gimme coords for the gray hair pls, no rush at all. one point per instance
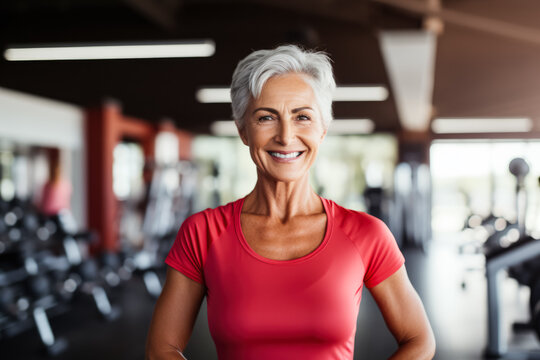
(253, 71)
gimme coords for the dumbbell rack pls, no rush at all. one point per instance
(31, 311)
(40, 276)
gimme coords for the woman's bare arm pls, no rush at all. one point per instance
(405, 316)
(174, 316)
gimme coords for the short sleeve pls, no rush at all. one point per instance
(189, 250)
(383, 257)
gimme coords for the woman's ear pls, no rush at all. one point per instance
(242, 133)
(325, 130)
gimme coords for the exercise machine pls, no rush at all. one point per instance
(520, 258)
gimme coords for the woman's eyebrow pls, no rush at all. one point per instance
(273, 111)
(301, 108)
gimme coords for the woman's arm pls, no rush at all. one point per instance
(174, 316)
(404, 315)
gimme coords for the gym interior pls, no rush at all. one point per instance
(103, 155)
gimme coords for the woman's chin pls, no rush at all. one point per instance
(285, 177)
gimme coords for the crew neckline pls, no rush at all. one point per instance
(249, 249)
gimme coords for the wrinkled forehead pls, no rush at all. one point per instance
(299, 77)
(291, 88)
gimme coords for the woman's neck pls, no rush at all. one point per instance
(282, 200)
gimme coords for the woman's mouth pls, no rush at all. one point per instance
(285, 156)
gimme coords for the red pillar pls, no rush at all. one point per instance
(102, 136)
(106, 126)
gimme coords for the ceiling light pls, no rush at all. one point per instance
(360, 93)
(213, 95)
(342, 93)
(139, 50)
(337, 127)
(224, 128)
(351, 126)
(481, 125)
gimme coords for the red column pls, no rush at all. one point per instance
(106, 126)
(102, 136)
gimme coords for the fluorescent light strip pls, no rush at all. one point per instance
(145, 50)
(213, 95)
(224, 128)
(481, 125)
(360, 93)
(342, 93)
(337, 127)
(351, 126)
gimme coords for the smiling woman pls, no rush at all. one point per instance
(283, 128)
(282, 268)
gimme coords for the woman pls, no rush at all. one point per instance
(56, 193)
(282, 268)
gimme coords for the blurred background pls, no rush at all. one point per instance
(115, 125)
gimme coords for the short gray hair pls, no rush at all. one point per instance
(253, 71)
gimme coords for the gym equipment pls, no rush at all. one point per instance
(410, 215)
(487, 227)
(28, 298)
(376, 202)
(535, 305)
(91, 283)
(519, 168)
(519, 255)
(169, 203)
(44, 265)
(502, 238)
(512, 232)
(111, 269)
(519, 252)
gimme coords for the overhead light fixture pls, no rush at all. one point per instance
(481, 125)
(224, 128)
(342, 93)
(213, 95)
(360, 93)
(131, 50)
(337, 127)
(351, 126)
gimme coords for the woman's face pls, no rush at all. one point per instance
(283, 128)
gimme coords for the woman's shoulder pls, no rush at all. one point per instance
(354, 220)
(369, 233)
(219, 217)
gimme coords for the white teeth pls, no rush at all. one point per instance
(286, 156)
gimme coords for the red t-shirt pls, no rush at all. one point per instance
(305, 308)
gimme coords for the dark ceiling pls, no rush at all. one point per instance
(478, 72)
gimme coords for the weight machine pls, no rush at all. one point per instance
(522, 260)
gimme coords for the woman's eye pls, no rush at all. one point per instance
(265, 118)
(303, 117)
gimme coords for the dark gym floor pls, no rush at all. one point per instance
(457, 314)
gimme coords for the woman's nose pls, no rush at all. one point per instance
(285, 133)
